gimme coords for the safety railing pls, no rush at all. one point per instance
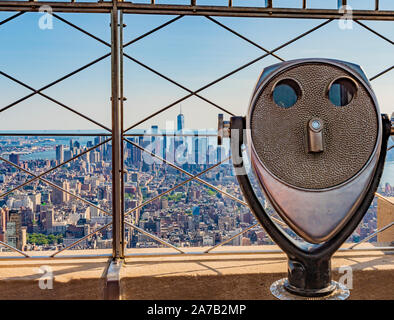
(376, 9)
(119, 134)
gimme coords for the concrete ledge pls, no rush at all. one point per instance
(151, 275)
(72, 279)
(244, 277)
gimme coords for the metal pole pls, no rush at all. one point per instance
(122, 99)
(117, 248)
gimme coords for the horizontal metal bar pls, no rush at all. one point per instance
(170, 135)
(152, 236)
(49, 134)
(246, 252)
(63, 257)
(170, 254)
(199, 10)
(76, 7)
(235, 11)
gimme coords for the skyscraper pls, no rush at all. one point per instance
(47, 218)
(14, 229)
(180, 119)
(154, 130)
(157, 146)
(58, 196)
(164, 155)
(135, 155)
(14, 158)
(94, 156)
(3, 223)
(200, 150)
(103, 148)
(67, 155)
(178, 141)
(59, 154)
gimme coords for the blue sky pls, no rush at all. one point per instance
(192, 51)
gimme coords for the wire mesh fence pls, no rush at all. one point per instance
(164, 201)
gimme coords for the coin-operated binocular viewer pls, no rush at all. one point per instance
(317, 143)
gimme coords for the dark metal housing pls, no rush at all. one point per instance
(309, 270)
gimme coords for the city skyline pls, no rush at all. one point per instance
(191, 215)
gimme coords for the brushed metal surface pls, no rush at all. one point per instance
(315, 216)
(280, 135)
(315, 194)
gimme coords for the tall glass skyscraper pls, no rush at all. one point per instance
(180, 120)
(59, 153)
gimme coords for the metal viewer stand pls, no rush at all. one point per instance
(309, 270)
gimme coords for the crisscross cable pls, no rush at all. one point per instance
(11, 18)
(49, 98)
(54, 168)
(81, 239)
(229, 74)
(54, 185)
